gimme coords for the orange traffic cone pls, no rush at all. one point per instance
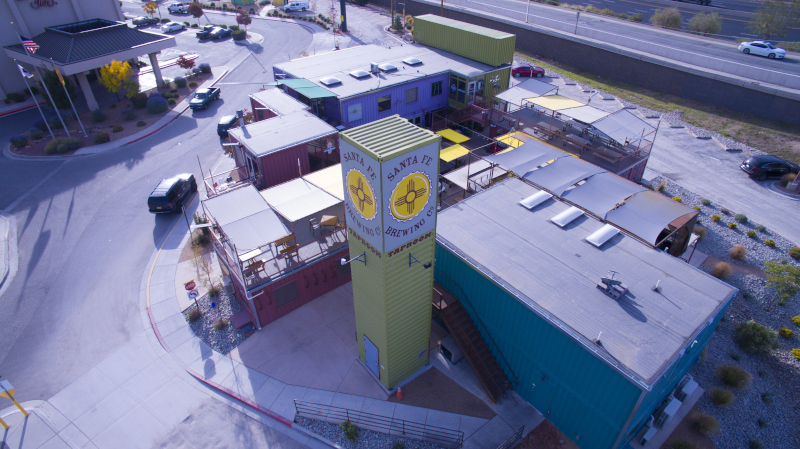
(399, 394)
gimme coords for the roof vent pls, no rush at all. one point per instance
(566, 217)
(412, 61)
(602, 235)
(535, 199)
(359, 74)
(330, 80)
(387, 67)
(612, 287)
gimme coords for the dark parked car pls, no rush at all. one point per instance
(767, 166)
(142, 21)
(171, 193)
(526, 70)
(203, 34)
(226, 123)
(219, 33)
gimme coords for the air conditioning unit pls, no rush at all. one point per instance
(373, 67)
(683, 393)
(666, 411)
(651, 432)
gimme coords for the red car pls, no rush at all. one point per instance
(526, 70)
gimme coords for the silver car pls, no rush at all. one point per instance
(762, 48)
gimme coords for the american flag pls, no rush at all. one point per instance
(29, 45)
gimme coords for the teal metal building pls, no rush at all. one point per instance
(595, 366)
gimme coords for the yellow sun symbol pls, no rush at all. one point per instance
(409, 196)
(362, 197)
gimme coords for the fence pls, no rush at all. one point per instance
(513, 439)
(384, 424)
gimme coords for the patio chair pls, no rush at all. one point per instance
(314, 224)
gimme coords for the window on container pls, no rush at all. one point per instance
(462, 90)
(285, 294)
(411, 95)
(436, 88)
(384, 103)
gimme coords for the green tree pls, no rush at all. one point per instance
(50, 80)
(775, 18)
(114, 76)
(754, 337)
(196, 11)
(132, 88)
(667, 18)
(786, 280)
(705, 23)
(150, 8)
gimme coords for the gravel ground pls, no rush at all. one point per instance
(367, 439)
(224, 340)
(770, 419)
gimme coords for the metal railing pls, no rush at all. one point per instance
(384, 424)
(513, 439)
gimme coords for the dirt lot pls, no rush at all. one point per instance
(772, 137)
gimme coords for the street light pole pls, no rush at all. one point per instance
(577, 16)
(527, 10)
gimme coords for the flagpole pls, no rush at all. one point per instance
(36, 102)
(77, 117)
(41, 78)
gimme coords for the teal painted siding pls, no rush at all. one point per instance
(585, 398)
(670, 381)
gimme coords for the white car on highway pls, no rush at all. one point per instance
(762, 48)
(173, 26)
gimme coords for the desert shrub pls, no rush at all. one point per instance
(766, 397)
(16, 97)
(752, 234)
(761, 228)
(638, 17)
(794, 251)
(166, 95)
(221, 324)
(179, 81)
(785, 332)
(755, 444)
(193, 315)
(738, 252)
(204, 67)
(733, 376)
(677, 198)
(705, 23)
(733, 225)
(796, 353)
(192, 83)
(721, 396)
(741, 218)
(725, 211)
(716, 217)
(239, 35)
(39, 123)
(796, 320)
(721, 270)
(770, 243)
(233, 27)
(700, 231)
(128, 114)
(117, 129)
(62, 145)
(787, 178)
(55, 123)
(350, 430)
(18, 141)
(172, 91)
(156, 105)
(194, 25)
(754, 337)
(35, 133)
(696, 207)
(705, 424)
(705, 202)
(171, 101)
(141, 123)
(98, 116)
(667, 18)
(101, 137)
(164, 20)
(139, 101)
(398, 445)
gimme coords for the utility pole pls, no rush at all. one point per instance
(344, 16)
(577, 16)
(391, 24)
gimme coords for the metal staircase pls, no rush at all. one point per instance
(469, 340)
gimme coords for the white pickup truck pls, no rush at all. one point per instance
(296, 6)
(178, 7)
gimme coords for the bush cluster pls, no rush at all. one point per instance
(128, 114)
(716, 218)
(761, 228)
(705, 424)
(733, 225)
(741, 218)
(738, 252)
(39, 123)
(785, 332)
(141, 123)
(117, 129)
(794, 252)
(796, 320)
(733, 376)
(770, 243)
(350, 430)
(239, 35)
(157, 104)
(755, 337)
(752, 234)
(62, 145)
(18, 141)
(179, 81)
(35, 133)
(139, 101)
(697, 207)
(705, 202)
(192, 83)
(171, 101)
(98, 116)
(204, 67)
(101, 137)
(55, 123)
(725, 211)
(721, 396)
(796, 353)
(721, 270)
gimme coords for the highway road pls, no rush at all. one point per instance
(552, 16)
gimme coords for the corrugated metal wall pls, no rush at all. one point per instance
(585, 398)
(370, 304)
(312, 281)
(462, 39)
(424, 103)
(281, 166)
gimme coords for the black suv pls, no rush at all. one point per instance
(225, 123)
(170, 193)
(766, 166)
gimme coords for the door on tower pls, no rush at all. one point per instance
(371, 356)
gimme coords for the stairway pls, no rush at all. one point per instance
(470, 342)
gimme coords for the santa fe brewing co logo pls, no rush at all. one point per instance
(362, 197)
(410, 196)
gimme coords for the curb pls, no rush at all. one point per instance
(263, 410)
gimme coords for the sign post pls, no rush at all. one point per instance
(8, 392)
(192, 293)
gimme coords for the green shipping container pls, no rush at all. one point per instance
(471, 41)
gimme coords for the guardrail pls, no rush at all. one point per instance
(384, 424)
(513, 439)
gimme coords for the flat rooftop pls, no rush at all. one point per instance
(554, 272)
(278, 101)
(279, 133)
(340, 63)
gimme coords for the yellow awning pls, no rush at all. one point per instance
(555, 102)
(452, 136)
(514, 139)
(328, 179)
(453, 152)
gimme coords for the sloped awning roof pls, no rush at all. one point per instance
(478, 171)
(298, 199)
(452, 152)
(585, 114)
(525, 90)
(246, 218)
(306, 87)
(562, 173)
(526, 157)
(555, 102)
(647, 214)
(453, 136)
(602, 192)
(328, 179)
(623, 126)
